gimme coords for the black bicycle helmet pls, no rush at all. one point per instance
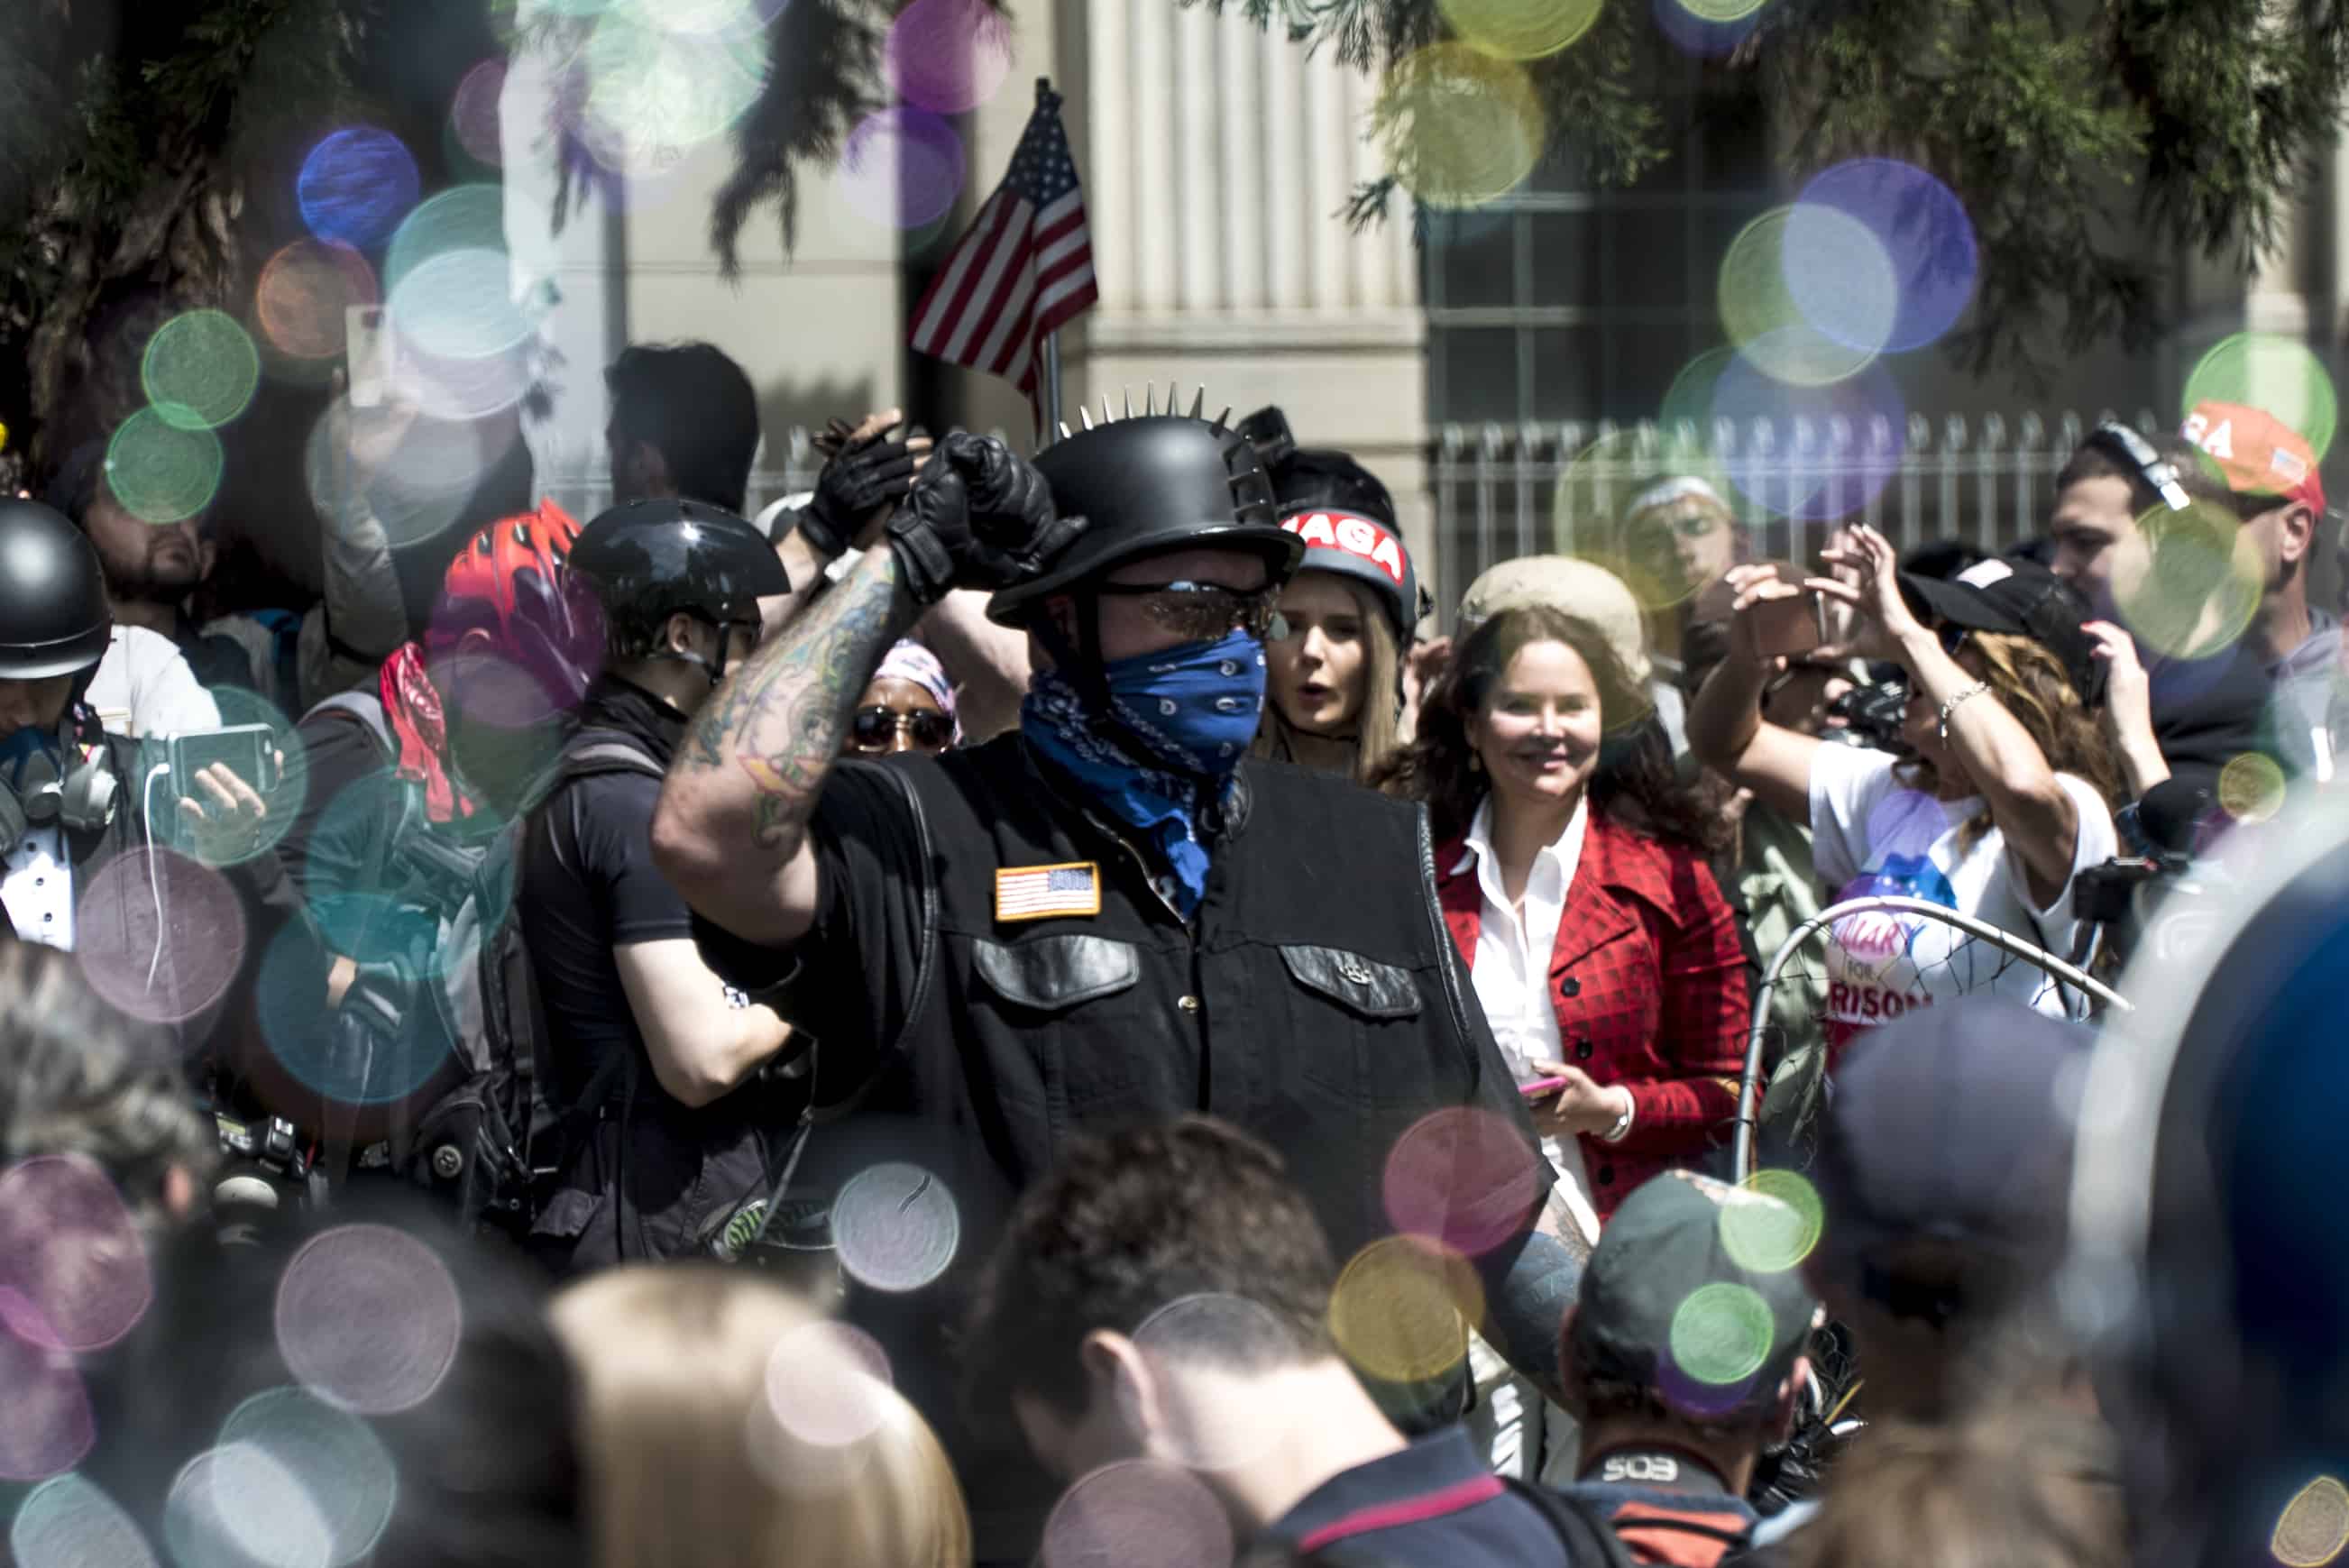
(649, 560)
(53, 615)
(1148, 484)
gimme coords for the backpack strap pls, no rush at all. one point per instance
(366, 708)
(1588, 1538)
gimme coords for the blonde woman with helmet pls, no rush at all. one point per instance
(2005, 797)
(725, 1423)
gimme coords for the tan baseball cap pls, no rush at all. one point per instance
(1577, 587)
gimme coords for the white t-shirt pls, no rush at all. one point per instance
(143, 687)
(36, 887)
(1511, 973)
(1871, 833)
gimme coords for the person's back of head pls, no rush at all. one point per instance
(685, 422)
(1691, 1326)
(81, 1081)
(2014, 1486)
(360, 1384)
(723, 1420)
(1186, 1240)
(1943, 1168)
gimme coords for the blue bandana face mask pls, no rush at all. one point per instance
(1196, 706)
(1195, 709)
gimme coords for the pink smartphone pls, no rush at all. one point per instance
(1540, 1086)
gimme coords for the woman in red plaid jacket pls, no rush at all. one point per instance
(1572, 872)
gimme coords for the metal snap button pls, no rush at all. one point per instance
(1188, 1003)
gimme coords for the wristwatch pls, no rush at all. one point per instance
(1622, 1128)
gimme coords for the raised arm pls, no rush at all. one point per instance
(731, 830)
(1726, 727)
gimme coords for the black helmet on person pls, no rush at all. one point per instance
(649, 560)
(1344, 516)
(53, 619)
(1148, 484)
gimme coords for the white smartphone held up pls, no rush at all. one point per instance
(368, 351)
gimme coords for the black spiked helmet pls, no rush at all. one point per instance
(53, 615)
(1148, 483)
(649, 560)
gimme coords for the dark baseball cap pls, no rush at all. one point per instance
(2017, 599)
(1695, 1291)
(1955, 1123)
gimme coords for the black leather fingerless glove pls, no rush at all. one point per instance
(857, 481)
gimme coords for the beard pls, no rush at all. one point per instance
(166, 573)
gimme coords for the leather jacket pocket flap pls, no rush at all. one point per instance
(1054, 972)
(1371, 989)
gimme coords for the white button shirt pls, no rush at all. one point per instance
(37, 888)
(1511, 973)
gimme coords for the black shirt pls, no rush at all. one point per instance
(589, 885)
(1434, 1504)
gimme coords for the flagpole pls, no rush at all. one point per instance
(1051, 422)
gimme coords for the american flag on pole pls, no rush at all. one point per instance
(1024, 270)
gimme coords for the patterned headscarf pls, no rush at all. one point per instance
(909, 661)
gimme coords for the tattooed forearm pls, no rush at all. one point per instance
(779, 720)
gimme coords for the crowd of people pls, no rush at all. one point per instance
(1031, 1009)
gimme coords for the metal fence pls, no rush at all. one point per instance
(784, 467)
(1500, 492)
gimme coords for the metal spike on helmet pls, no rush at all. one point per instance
(1109, 414)
(1064, 429)
(1199, 402)
(1129, 402)
(1084, 413)
(1221, 417)
(1150, 399)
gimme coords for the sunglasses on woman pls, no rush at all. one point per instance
(1204, 612)
(877, 729)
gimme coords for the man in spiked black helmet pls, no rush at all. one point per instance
(1113, 915)
(653, 1054)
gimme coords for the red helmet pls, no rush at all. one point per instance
(507, 582)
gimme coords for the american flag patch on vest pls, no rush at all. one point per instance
(1040, 892)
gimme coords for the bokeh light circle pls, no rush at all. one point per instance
(465, 218)
(2279, 376)
(73, 1269)
(1462, 1177)
(1402, 1310)
(175, 967)
(1695, 32)
(2314, 1528)
(1138, 1513)
(1520, 29)
(2251, 786)
(473, 115)
(424, 487)
(896, 1227)
(335, 1458)
(1686, 417)
(1772, 1223)
(460, 305)
(656, 92)
(2190, 582)
(902, 168)
(356, 185)
(1839, 276)
(200, 370)
(948, 55)
(1720, 1333)
(1458, 128)
(68, 1522)
(236, 1505)
(304, 291)
(45, 1426)
(1591, 511)
(1763, 319)
(1920, 232)
(368, 1319)
(828, 1385)
(1855, 431)
(159, 472)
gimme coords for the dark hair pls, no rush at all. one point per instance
(78, 1077)
(1636, 782)
(485, 1463)
(2096, 460)
(1128, 1225)
(696, 406)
